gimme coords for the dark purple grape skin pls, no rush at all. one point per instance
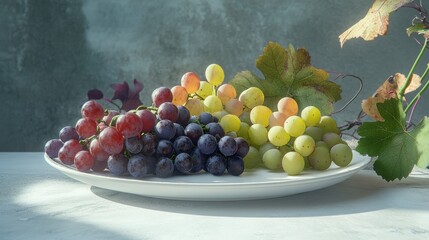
(183, 163)
(242, 147)
(164, 149)
(235, 165)
(164, 168)
(168, 111)
(216, 164)
(183, 144)
(165, 129)
(149, 144)
(207, 144)
(184, 116)
(198, 160)
(194, 132)
(117, 164)
(67, 133)
(227, 146)
(99, 166)
(52, 147)
(180, 131)
(140, 166)
(193, 119)
(215, 129)
(205, 118)
(134, 144)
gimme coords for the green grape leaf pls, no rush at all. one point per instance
(289, 73)
(397, 149)
(419, 28)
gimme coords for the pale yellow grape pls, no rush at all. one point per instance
(277, 119)
(294, 126)
(261, 115)
(320, 159)
(265, 147)
(220, 114)
(278, 136)
(205, 90)
(234, 106)
(304, 145)
(180, 95)
(315, 132)
(244, 130)
(215, 74)
(293, 163)
(195, 106)
(341, 154)
(245, 117)
(252, 159)
(311, 116)
(258, 134)
(230, 123)
(252, 97)
(328, 124)
(212, 104)
(272, 159)
(287, 106)
(191, 82)
(332, 139)
(226, 92)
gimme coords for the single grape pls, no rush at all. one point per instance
(278, 136)
(183, 144)
(234, 106)
(164, 168)
(108, 118)
(226, 92)
(183, 116)
(194, 132)
(243, 131)
(207, 144)
(83, 161)
(315, 132)
(311, 116)
(180, 95)
(320, 158)
(168, 111)
(332, 139)
(214, 74)
(86, 127)
(304, 145)
(111, 141)
(252, 159)
(180, 131)
(227, 146)
(277, 119)
(260, 115)
(165, 129)
(252, 97)
(285, 149)
(322, 144)
(205, 90)
(245, 117)
(294, 126)
(97, 151)
(341, 154)
(235, 165)
(230, 123)
(265, 147)
(215, 129)
(99, 166)
(220, 114)
(272, 159)
(288, 106)
(164, 148)
(101, 126)
(68, 151)
(140, 166)
(242, 147)
(68, 133)
(258, 134)
(134, 144)
(328, 124)
(193, 119)
(148, 120)
(149, 144)
(195, 106)
(293, 163)
(161, 95)
(191, 82)
(52, 147)
(118, 164)
(129, 125)
(212, 104)
(183, 163)
(216, 164)
(198, 160)
(231, 134)
(92, 110)
(205, 118)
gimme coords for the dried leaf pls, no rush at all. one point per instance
(375, 22)
(414, 83)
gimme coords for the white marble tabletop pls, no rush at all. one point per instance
(39, 202)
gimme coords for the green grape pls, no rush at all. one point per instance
(258, 134)
(341, 154)
(311, 116)
(294, 126)
(272, 159)
(315, 132)
(320, 158)
(231, 134)
(195, 106)
(205, 90)
(278, 136)
(332, 139)
(220, 114)
(307, 163)
(230, 123)
(212, 104)
(214, 74)
(293, 163)
(245, 117)
(234, 106)
(328, 124)
(304, 145)
(260, 115)
(252, 97)
(252, 159)
(322, 144)
(265, 147)
(285, 149)
(244, 130)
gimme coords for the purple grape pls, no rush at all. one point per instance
(168, 111)
(183, 163)
(183, 144)
(227, 146)
(52, 147)
(164, 168)
(67, 133)
(99, 166)
(161, 95)
(193, 119)
(235, 165)
(205, 118)
(184, 115)
(194, 132)
(141, 166)
(215, 129)
(117, 164)
(164, 148)
(207, 144)
(165, 129)
(149, 144)
(198, 160)
(215, 164)
(180, 131)
(134, 144)
(242, 147)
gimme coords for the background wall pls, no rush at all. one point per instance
(53, 51)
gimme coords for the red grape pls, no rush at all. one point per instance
(69, 151)
(92, 110)
(111, 140)
(86, 127)
(83, 161)
(161, 95)
(97, 152)
(148, 120)
(168, 111)
(129, 125)
(108, 118)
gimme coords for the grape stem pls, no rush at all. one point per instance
(415, 99)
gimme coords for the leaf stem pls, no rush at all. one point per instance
(420, 92)
(410, 74)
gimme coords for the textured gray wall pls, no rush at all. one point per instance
(53, 51)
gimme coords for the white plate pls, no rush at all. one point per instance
(254, 184)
